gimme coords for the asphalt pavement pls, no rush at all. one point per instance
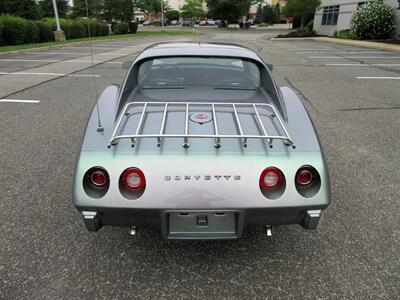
(353, 97)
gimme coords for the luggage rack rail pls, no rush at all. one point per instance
(186, 135)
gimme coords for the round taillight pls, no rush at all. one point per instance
(133, 179)
(98, 178)
(305, 176)
(271, 178)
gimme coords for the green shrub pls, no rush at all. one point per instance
(77, 30)
(374, 20)
(32, 32)
(1, 34)
(99, 28)
(133, 27)
(113, 23)
(105, 30)
(45, 32)
(310, 25)
(305, 32)
(343, 34)
(65, 25)
(14, 29)
(92, 27)
(121, 28)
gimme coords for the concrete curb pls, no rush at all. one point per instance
(366, 44)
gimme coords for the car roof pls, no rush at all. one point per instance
(198, 49)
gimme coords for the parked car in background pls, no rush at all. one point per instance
(147, 23)
(187, 23)
(175, 23)
(223, 24)
(211, 22)
(203, 23)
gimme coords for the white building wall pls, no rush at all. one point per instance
(346, 10)
(177, 4)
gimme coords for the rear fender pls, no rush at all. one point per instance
(94, 139)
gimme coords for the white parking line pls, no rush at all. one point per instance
(48, 74)
(346, 52)
(364, 65)
(57, 60)
(29, 60)
(19, 101)
(61, 53)
(311, 49)
(358, 57)
(377, 77)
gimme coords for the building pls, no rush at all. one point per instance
(253, 8)
(177, 4)
(335, 15)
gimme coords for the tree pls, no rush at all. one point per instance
(259, 14)
(271, 14)
(46, 8)
(27, 9)
(95, 8)
(193, 9)
(230, 10)
(300, 8)
(172, 15)
(120, 10)
(151, 6)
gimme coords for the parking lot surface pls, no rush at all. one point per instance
(353, 97)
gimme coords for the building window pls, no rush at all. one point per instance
(361, 4)
(330, 15)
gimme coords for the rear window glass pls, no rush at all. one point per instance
(199, 71)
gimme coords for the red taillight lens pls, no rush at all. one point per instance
(271, 178)
(133, 179)
(305, 176)
(98, 177)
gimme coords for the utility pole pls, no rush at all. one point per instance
(59, 35)
(162, 15)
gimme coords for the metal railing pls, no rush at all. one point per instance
(216, 136)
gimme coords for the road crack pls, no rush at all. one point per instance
(300, 92)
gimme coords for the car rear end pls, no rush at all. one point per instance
(228, 151)
(201, 190)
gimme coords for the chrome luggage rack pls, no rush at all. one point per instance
(186, 135)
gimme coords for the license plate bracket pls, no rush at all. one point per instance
(202, 225)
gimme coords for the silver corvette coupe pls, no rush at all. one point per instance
(200, 143)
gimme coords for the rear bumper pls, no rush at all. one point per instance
(308, 217)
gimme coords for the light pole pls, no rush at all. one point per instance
(59, 35)
(162, 15)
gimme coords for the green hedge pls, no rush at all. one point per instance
(32, 34)
(1, 34)
(16, 30)
(133, 27)
(45, 32)
(78, 30)
(65, 25)
(121, 28)
(13, 29)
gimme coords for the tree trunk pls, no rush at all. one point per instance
(303, 18)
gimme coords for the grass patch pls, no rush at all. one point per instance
(94, 39)
(343, 34)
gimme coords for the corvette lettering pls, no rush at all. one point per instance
(202, 177)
